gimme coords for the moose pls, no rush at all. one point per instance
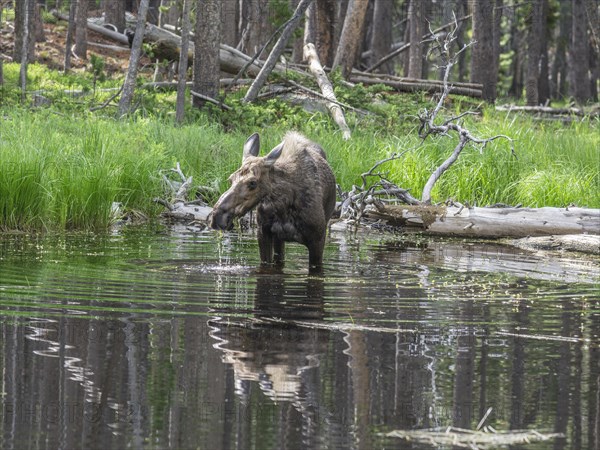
(293, 190)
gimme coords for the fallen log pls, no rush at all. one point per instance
(179, 208)
(114, 35)
(167, 45)
(488, 222)
(541, 110)
(310, 54)
(384, 76)
(584, 243)
(423, 85)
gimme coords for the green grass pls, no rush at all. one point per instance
(62, 167)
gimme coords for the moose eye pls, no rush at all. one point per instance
(252, 184)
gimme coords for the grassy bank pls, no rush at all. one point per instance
(62, 168)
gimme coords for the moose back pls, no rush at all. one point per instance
(293, 190)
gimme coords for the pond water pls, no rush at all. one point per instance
(171, 338)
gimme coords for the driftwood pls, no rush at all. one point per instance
(472, 439)
(488, 222)
(178, 208)
(310, 54)
(585, 243)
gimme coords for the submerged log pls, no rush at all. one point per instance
(489, 222)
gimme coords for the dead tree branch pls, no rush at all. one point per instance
(278, 49)
(428, 118)
(310, 54)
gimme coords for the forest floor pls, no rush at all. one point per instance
(51, 52)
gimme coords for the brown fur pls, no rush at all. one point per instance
(293, 190)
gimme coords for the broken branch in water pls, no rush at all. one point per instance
(460, 437)
(178, 207)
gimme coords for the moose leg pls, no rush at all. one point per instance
(315, 255)
(265, 246)
(279, 251)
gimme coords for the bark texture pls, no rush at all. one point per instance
(206, 50)
(351, 36)
(482, 58)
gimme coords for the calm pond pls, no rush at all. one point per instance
(169, 338)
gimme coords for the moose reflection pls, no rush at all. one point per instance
(293, 189)
(273, 351)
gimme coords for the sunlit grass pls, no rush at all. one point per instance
(63, 167)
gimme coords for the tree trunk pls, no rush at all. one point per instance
(183, 62)
(534, 45)
(206, 50)
(278, 49)
(229, 21)
(559, 67)
(544, 77)
(324, 14)
(114, 13)
(594, 73)
(38, 25)
(351, 36)
(498, 8)
(69, 39)
(482, 57)
(460, 40)
(20, 9)
(579, 83)
(153, 15)
(416, 15)
(26, 20)
(257, 25)
(134, 59)
(381, 38)
(341, 7)
(81, 29)
(591, 11)
(169, 12)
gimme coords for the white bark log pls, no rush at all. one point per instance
(310, 54)
(491, 222)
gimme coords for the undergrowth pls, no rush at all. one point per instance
(63, 167)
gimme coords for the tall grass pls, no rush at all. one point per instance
(58, 173)
(61, 172)
(553, 165)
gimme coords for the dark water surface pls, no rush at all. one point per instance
(157, 338)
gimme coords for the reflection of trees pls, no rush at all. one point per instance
(254, 378)
(594, 378)
(464, 372)
(279, 358)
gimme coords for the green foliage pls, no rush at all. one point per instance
(63, 166)
(97, 68)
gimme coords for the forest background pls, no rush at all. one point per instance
(71, 148)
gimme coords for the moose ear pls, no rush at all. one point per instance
(273, 155)
(252, 146)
